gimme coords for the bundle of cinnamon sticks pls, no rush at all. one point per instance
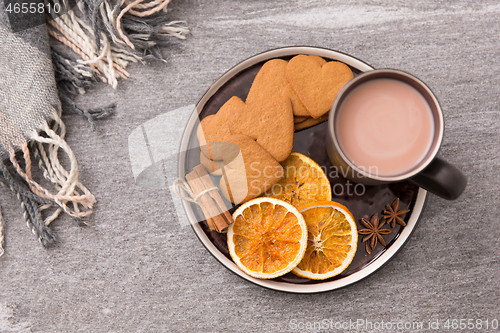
(210, 202)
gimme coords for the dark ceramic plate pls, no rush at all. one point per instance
(311, 142)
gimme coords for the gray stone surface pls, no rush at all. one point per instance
(137, 270)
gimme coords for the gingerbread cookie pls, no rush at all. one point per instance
(269, 81)
(269, 122)
(217, 128)
(251, 173)
(317, 85)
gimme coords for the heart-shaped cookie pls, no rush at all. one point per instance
(299, 110)
(216, 129)
(269, 122)
(269, 81)
(252, 172)
(317, 85)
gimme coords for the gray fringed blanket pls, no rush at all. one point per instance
(49, 59)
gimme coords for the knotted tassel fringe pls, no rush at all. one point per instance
(40, 205)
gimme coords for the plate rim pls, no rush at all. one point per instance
(368, 270)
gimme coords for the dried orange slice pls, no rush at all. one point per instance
(268, 237)
(304, 182)
(331, 242)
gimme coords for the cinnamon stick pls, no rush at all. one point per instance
(190, 177)
(211, 203)
(226, 218)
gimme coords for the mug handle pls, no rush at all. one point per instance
(441, 178)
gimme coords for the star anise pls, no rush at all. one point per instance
(392, 214)
(373, 232)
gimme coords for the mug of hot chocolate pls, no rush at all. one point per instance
(387, 126)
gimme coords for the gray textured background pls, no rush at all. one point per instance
(135, 270)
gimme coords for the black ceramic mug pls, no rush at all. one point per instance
(431, 173)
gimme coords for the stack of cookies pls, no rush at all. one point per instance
(244, 142)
